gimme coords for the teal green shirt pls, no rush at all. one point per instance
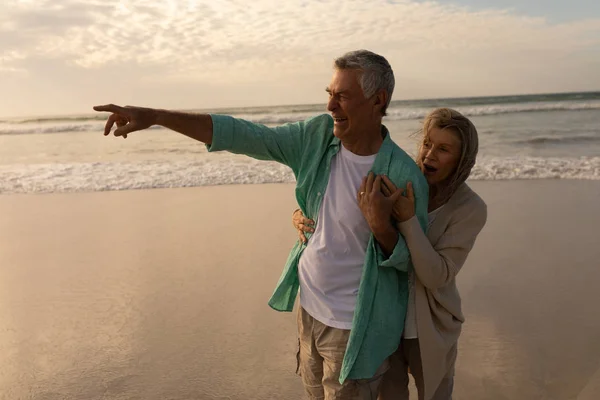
(307, 147)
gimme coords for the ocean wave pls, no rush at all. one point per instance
(577, 139)
(511, 168)
(286, 114)
(495, 109)
(416, 113)
(408, 112)
(49, 129)
(57, 119)
(103, 176)
(28, 130)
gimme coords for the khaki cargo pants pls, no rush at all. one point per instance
(320, 356)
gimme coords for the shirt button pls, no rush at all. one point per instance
(318, 194)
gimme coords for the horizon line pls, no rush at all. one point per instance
(316, 104)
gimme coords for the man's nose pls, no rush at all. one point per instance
(332, 104)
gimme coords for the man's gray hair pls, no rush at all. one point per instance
(376, 71)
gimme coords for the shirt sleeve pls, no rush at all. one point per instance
(283, 144)
(401, 256)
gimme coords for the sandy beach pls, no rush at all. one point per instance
(162, 294)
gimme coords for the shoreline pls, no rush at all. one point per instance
(472, 183)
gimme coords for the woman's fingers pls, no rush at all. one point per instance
(377, 184)
(410, 193)
(302, 237)
(305, 228)
(388, 182)
(307, 225)
(307, 221)
(385, 190)
(297, 218)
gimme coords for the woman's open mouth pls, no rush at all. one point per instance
(429, 169)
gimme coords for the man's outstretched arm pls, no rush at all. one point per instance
(131, 119)
(284, 144)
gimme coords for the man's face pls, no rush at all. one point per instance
(353, 113)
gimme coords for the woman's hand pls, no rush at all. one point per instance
(404, 207)
(302, 224)
(376, 208)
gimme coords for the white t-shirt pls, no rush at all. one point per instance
(331, 266)
(410, 323)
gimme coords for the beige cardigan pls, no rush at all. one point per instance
(437, 258)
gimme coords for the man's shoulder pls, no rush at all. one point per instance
(404, 169)
(399, 154)
(403, 163)
(317, 132)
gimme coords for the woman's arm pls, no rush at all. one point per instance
(437, 266)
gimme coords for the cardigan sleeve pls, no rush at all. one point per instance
(437, 266)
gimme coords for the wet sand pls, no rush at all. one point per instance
(162, 294)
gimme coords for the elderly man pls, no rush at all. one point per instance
(352, 275)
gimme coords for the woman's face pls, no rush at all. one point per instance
(440, 154)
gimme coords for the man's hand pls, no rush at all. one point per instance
(128, 119)
(377, 210)
(404, 207)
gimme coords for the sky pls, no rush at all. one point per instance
(63, 57)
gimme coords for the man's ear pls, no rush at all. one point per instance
(381, 98)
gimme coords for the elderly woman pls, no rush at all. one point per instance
(428, 347)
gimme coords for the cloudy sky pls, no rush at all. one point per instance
(63, 56)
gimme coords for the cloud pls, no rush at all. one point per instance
(235, 42)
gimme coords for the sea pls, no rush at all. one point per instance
(542, 136)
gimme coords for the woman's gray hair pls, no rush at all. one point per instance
(376, 71)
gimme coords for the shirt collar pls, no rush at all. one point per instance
(384, 155)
